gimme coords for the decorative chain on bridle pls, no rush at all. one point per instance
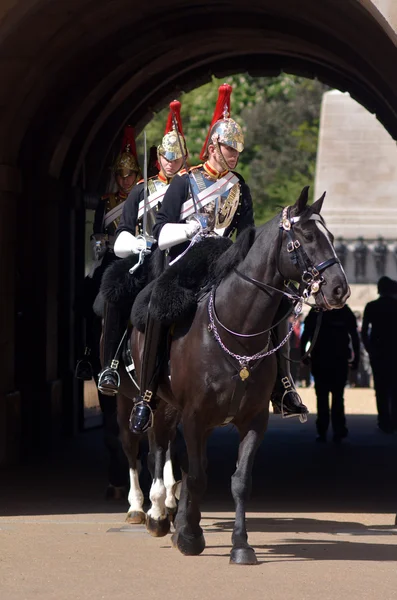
(311, 282)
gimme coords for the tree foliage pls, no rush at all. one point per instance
(280, 120)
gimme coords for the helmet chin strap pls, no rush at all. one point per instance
(222, 160)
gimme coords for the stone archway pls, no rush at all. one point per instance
(73, 72)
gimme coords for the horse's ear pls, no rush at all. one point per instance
(301, 203)
(318, 204)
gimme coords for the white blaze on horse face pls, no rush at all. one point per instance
(135, 495)
(157, 497)
(169, 482)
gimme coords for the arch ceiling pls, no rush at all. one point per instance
(74, 71)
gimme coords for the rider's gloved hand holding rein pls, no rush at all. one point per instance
(172, 234)
(127, 244)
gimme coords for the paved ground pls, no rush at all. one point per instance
(321, 520)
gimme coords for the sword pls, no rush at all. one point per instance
(144, 223)
(145, 236)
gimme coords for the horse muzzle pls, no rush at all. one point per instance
(334, 297)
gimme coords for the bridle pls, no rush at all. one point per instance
(311, 282)
(311, 275)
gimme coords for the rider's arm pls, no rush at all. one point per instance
(129, 215)
(244, 216)
(168, 230)
(126, 243)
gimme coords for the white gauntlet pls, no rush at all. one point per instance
(172, 234)
(127, 244)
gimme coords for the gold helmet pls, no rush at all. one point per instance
(223, 129)
(173, 144)
(127, 161)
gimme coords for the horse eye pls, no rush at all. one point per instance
(309, 237)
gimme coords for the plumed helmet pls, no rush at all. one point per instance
(127, 161)
(173, 145)
(223, 129)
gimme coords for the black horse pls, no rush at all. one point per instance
(216, 374)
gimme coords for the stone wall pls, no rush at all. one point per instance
(357, 166)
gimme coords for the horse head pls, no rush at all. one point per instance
(307, 253)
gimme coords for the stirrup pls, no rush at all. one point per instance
(290, 388)
(111, 371)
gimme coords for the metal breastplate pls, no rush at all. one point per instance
(219, 212)
(154, 185)
(111, 202)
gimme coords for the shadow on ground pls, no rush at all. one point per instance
(292, 474)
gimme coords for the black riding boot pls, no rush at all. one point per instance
(141, 418)
(285, 398)
(113, 329)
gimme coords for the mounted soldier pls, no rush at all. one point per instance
(212, 198)
(141, 205)
(126, 172)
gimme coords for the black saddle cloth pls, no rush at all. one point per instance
(120, 288)
(173, 296)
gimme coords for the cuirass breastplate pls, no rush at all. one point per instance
(219, 212)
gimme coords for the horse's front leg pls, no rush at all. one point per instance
(130, 443)
(250, 439)
(188, 536)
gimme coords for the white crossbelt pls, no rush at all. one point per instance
(152, 200)
(211, 193)
(113, 214)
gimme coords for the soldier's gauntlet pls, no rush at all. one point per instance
(127, 244)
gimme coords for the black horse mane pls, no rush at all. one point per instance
(234, 255)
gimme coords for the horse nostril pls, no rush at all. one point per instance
(338, 291)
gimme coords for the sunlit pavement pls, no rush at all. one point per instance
(321, 520)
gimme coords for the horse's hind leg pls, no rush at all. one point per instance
(130, 442)
(242, 553)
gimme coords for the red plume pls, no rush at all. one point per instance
(175, 109)
(128, 144)
(223, 101)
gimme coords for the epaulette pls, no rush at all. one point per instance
(196, 167)
(107, 196)
(143, 181)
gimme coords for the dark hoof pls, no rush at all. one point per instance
(157, 528)
(243, 556)
(136, 517)
(174, 539)
(189, 546)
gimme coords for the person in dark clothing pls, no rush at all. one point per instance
(379, 332)
(330, 360)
